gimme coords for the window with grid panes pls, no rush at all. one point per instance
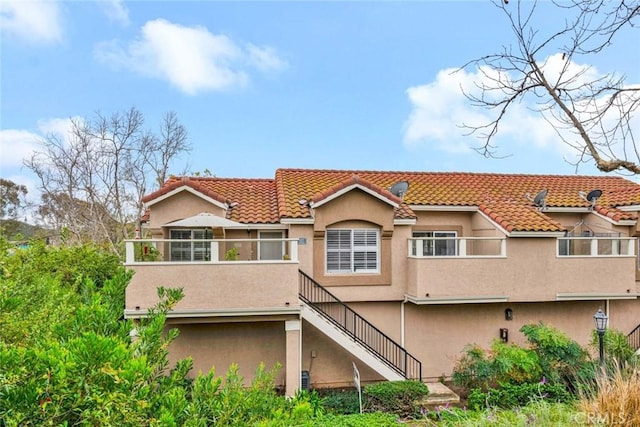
(192, 249)
(437, 243)
(352, 251)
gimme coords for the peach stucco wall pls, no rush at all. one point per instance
(440, 333)
(356, 209)
(531, 272)
(179, 206)
(235, 284)
(328, 364)
(437, 334)
(218, 345)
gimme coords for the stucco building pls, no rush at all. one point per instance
(395, 271)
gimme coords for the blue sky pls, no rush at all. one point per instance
(264, 85)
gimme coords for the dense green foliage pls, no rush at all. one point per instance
(504, 363)
(340, 401)
(551, 355)
(617, 349)
(375, 419)
(395, 397)
(517, 395)
(562, 360)
(401, 398)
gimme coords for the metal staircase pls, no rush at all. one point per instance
(353, 332)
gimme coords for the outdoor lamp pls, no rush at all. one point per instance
(601, 325)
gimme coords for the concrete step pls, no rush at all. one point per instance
(439, 395)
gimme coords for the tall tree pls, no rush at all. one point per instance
(597, 115)
(92, 180)
(12, 198)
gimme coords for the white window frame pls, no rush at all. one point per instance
(194, 247)
(262, 240)
(353, 250)
(430, 250)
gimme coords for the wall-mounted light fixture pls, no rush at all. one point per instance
(508, 314)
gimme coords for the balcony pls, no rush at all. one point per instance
(477, 270)
(596, 246)
(458, 247)
(218, 277)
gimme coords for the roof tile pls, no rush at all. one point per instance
(505, 198)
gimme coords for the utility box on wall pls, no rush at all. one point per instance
(504, 334)
(306, 381)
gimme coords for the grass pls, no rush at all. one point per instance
(614, 399)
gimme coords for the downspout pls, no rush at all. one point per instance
(607, 311)
(402, 321)
(300, 357)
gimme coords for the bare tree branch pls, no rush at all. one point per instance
(595, 115)
(92, 182)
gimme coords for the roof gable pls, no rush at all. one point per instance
(248, 201)
(351, 184)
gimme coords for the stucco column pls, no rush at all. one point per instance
(293, 351)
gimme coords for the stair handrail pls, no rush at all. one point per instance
(358, 328)
(634, 338)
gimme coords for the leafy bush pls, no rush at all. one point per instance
(375, 419)
(505, 363)
(395, 397)
(69, 264)
(474, 369)
(562, 359)
(617, 349)
(512, 396)
(514, 364)
(340, 401)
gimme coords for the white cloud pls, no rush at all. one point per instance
(440, 108)
(116, 11)
(190, 58)
(59, 128)
(265, 58)
(31, 21)
(16, 145)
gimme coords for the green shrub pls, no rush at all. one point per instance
(511, 396)
(514, 364)
(395, 397)
(340, 401)
(617, 349)
(562, 359)
(375, 419)
(474, 369)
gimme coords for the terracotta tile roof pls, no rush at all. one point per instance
(505, 198)
(250, 201)
(513, 216)
(615, 214)
(500, 196)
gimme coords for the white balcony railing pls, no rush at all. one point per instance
(462, 247)
(143, 251)
(596, 246)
